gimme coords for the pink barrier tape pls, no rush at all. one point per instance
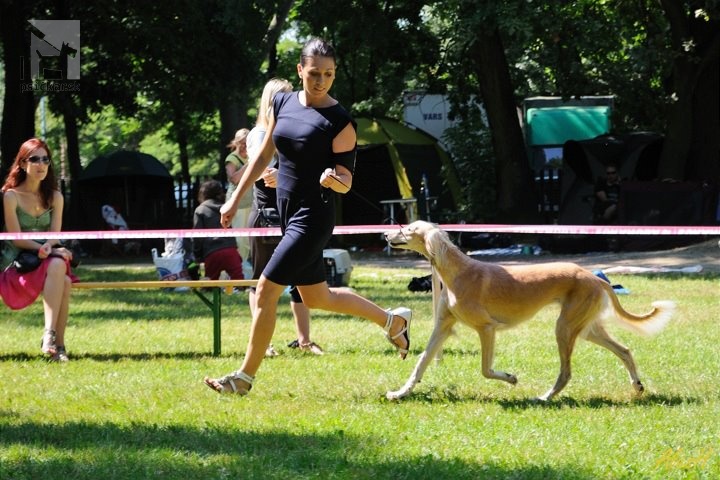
(359, 229)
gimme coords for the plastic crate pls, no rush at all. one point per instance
(338, 267)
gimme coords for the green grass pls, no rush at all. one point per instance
(131, 403)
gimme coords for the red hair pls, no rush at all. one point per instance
(18, 175)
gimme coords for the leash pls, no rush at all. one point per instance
(390, 220)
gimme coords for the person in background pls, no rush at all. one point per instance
(218, 253)
(33, 203)
(235, 163)
(264, 199)
(607, 195)
(316, 143)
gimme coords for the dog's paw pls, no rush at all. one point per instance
(639, 388)
(512, 379)
(397, 395)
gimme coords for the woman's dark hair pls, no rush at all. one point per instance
(316, 47)
(212, 189)
(18, 175)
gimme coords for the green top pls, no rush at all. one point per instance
(246, 200)
(28, 223)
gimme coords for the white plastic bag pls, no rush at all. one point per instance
(171, 267)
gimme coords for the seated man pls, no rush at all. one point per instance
(607, 194)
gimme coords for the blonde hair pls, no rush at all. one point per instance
(272, 88)
(240, 136)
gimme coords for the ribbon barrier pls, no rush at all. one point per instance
(359, 229)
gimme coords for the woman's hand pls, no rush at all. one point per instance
(269, 176)
(339, 179)
(44, 251)
(227, 212)
(326, 179)
(62, 252)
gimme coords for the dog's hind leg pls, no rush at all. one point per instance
(442, 330)
(598, 335)
(566, 333)
(487, 343)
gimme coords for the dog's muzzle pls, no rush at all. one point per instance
(395, 238)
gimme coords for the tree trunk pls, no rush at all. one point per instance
(516, 197)
(705, 147)
(233, 116)
(71, 137)
(691, 89)
(182, 141)
(18, 120)
(73, 158)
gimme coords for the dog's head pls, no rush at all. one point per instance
(420, 236)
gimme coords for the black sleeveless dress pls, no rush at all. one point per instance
(303, 137)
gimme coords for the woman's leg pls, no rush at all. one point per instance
(54, 300)
(267, 294)
(344, 300)
(270, 350)
(63, 314)
(301, 313)
(341, 300)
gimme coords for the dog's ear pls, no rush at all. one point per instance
(435, 243)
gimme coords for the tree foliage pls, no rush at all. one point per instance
(193, 73)
(382, 47)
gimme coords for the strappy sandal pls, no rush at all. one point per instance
(311, 347)
(220, 385)
(61, 355)
(47, 342)
(405, 314)
(270, 351)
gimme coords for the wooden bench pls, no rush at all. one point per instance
(215, 304)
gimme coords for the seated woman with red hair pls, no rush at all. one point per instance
(33, 203)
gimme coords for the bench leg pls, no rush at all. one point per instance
(217, 317)
(216, 307)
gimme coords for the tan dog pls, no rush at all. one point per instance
(489, 297)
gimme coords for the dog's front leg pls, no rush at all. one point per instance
(440, 333)
(487, 342)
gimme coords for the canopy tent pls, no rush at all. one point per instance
(392, 160)
(134, 183)
(635, 154)
(552, 126)
(551, 121)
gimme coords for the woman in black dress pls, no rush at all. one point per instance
(316, 141)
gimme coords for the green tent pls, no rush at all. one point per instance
(391, 162)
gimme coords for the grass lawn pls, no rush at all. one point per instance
(131, 403)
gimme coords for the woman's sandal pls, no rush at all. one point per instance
(405, 314)
(311, 347)
(61, 355)
(220, 385)
(47, 342)
(271, 352)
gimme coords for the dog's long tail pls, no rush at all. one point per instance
(647, 324)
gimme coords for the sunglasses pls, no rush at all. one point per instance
(611, 172)
(39, 159)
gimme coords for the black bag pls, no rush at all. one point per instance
(420, 284)
(268, 217)
(26, 261)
